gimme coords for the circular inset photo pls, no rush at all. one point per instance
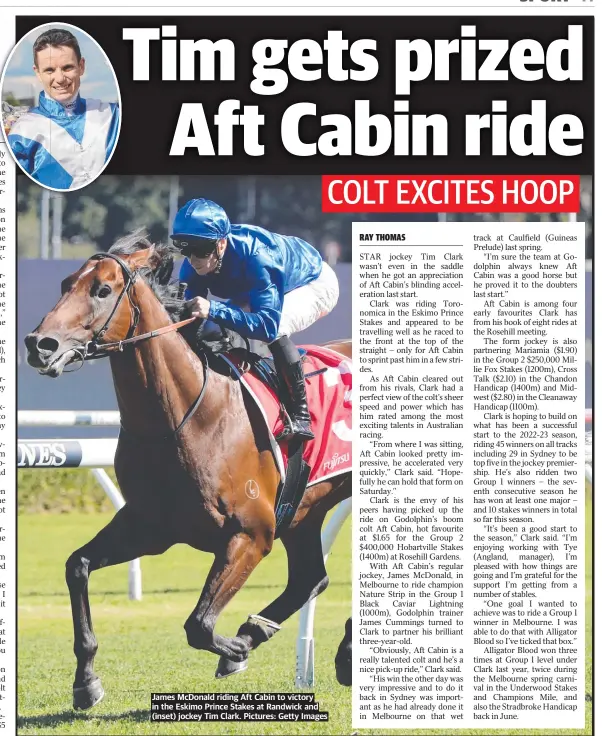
(60, 107)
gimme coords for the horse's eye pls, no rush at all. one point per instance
(104, 291)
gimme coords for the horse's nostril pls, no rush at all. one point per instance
(31, 341)
(48, 345)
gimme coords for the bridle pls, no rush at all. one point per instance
(92, 346)
(94, 349)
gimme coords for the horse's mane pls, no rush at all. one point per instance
(158, 278)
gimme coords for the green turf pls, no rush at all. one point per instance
(142, 645)
(61, 490)
(143, 649)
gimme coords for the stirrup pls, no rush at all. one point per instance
(295, 428)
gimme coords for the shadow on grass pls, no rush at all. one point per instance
(72, 716)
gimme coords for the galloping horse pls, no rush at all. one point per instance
(189, 445)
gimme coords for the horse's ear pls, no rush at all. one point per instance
(160, 261)
(135, 248)
(154, 257)
(162, 268)
(144, 255)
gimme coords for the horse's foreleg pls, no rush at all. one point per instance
(229, 572)
(123, 539)
(307, 578)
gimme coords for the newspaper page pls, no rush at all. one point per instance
(296, 361)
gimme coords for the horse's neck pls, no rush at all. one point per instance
(158, 380)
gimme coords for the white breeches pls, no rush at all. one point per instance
(303, 306)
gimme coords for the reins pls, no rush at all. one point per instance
(93, 350)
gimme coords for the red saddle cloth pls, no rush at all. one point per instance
(329, 401)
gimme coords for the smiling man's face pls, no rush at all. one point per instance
(60, 72)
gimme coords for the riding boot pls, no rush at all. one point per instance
(288, 366)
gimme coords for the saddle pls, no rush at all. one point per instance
(248, 355)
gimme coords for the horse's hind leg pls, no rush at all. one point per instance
(123, 539)
(229, 572)
(307, 578)
(344, 656)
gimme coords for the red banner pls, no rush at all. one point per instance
(448, 193)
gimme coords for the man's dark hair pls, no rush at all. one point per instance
(55, 37)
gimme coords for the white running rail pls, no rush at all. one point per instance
(89, 453)
(304, 675)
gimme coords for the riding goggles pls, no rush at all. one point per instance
(199, 248)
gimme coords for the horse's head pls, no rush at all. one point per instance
(97, 305)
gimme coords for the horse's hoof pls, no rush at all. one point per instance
(343, 672)
(227, 667)
(88, 696)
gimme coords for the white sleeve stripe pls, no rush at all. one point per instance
(81, 161)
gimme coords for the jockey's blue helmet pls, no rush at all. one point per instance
(201, 218)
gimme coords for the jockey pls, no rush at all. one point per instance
(277, 284)
(64, 142)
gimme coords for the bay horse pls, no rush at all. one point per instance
(190, 444)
